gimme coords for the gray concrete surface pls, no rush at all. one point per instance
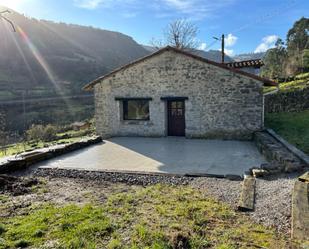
(164, 155)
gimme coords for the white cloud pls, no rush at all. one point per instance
(95, 4)
(229, 52)
(230, 40)
(194, 9)
(267, 43)
(202, 46)
(88, 4)
(270, 39)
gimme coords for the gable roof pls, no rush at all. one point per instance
(266, 82)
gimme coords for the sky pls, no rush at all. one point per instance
(248, 25)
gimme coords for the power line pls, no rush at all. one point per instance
(211, 44)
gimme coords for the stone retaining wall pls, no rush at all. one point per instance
(27, 159)
(287, 101)
(280, 158)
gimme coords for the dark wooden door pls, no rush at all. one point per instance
(176, 117)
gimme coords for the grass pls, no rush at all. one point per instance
(293, 126)
(21, 147)
(155, 217)
(301, 81)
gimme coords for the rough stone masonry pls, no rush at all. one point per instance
(220, 104)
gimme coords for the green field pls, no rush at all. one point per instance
(293, 126)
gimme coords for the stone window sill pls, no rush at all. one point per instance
(136, 122)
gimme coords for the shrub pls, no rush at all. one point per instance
(41, 133)
(22, 243)
(49, 133)
(35, 133)
(2, 229)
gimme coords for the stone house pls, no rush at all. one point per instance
(175, 93)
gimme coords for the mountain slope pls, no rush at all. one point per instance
(213, 55)
(249, 56)
(48, 58)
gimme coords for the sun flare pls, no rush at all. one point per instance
(12, 4)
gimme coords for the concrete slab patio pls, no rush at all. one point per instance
(172, 155)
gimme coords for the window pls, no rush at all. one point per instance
(136, 109)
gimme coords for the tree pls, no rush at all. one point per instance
(298, 36)
(297, 41)
(306, 60)
(292, 58)
(180, 34)
(274, 61)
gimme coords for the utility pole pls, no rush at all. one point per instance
(222, 47)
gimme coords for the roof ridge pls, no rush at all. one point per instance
(267, 82)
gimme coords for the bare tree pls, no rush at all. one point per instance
(180, 34)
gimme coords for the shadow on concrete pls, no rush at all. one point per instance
(173, 155)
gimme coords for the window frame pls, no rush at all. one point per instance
(124, 103)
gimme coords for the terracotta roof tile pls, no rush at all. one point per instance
(257, 63)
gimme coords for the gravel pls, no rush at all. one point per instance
(273, 202)
(220, 188)
(128, 178)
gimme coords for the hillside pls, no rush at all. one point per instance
(46, 58)
(213, 55)
(248, 56)
(299, 82)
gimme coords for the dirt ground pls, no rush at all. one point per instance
(58, 191)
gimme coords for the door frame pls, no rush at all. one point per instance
(174, 98)
(170, 131)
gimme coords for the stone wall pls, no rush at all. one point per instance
(280, 158)
(287, 101)
(26, 159)
(221, 103)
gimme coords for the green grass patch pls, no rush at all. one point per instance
(17, 148)
(293, 126)
(156, 217)
(300, 82)
(4, 198)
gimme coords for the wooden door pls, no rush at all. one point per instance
(176, 117)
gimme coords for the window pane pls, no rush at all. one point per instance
(136, 109)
